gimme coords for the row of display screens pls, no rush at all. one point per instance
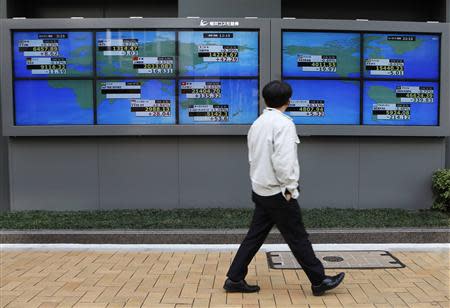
(384, 55)
(221, 101)
(223, 53)
(136, 53)
(49, 66)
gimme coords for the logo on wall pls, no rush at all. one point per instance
(204, 23)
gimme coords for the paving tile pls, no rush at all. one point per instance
(187, 279)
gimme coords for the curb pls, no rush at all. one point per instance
(222, 236)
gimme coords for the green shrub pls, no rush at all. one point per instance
(441, 188)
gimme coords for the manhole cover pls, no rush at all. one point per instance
(338, 259)
(333, 259)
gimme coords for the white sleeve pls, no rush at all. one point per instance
(284, 158)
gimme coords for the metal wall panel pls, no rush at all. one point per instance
(205, 172)
(447, 9)
(138, 172)
(214, 172)
(4, 180)
(54, 174)
(396, 172)
(329, 169)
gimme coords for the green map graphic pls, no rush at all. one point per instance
(381, 95)
(348, 61)
(83, 95)
(398, 47)
(189, 56)
(123, 65)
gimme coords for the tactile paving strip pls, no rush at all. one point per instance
(338, 259)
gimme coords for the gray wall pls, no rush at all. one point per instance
(184, 172)
(447, 9)
(229, 8)
(4, 182)
(168, 172)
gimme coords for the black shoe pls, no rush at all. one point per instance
(327, 284)
(240, 286)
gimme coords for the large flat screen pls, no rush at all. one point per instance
(136, 53)
(218, 53)
(52, 54)
(324, 102)
(136, 101)
(401, 103)
(321, 54)
(53, 102)
(399, 55)
(218, 101)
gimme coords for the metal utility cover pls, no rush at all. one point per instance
(372, 259)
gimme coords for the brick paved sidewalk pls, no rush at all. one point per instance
(195, 279)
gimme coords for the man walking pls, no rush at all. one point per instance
(274, 173)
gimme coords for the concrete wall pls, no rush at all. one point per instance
(185, 172)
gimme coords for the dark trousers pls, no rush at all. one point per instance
(286, 215)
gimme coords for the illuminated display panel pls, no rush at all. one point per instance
(324, 102)
(135, 77)
(384, 79)
(136, 53)
(53, 54)
(219, 53)
(401, 103)
(53, 102)
(218, 101)
(397, 55)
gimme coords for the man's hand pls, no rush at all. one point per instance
(288, 196)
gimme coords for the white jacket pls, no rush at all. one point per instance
(272, 153)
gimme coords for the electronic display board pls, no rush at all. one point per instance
(218, 101)
(151, 57)
(401, 103)
(53, 102)
(135, 53)
(401, 55)
(321, 54)
(52, 54)
(219, 53)
(324, 102)
(149, 101)
(310, 63)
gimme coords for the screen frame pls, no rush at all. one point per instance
(88, 24)
(278, 26)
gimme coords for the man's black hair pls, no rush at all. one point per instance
(276, 93)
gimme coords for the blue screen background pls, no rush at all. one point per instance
(117, 111)
(53, 102)
(421, 58)
(346, 46)
(341, 100)
(240, 94)
(151, 44)
(192, 65)
(77, 48)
